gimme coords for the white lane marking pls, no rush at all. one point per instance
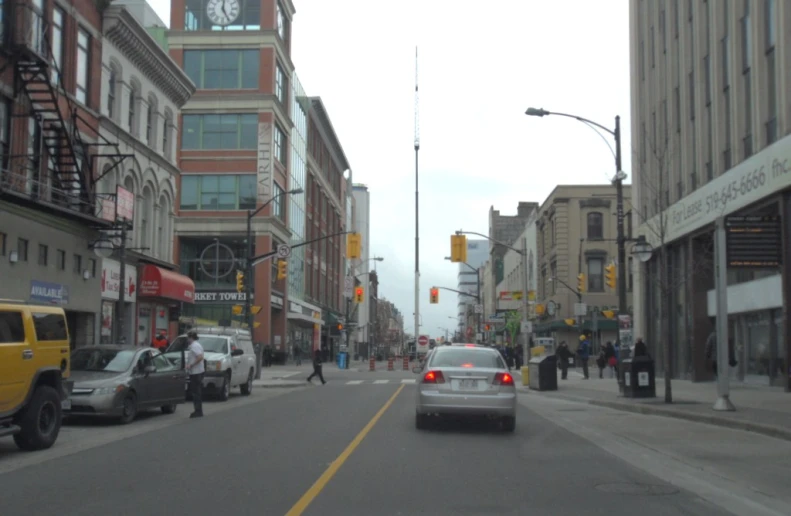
(381, 381)
(354, 382)
(408, 380)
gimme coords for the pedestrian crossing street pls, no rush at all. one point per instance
(380, 382)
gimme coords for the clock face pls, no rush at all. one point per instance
(223, 12)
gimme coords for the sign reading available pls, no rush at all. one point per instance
(111, 281)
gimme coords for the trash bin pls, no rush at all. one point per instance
(543, 373)
(342, 360)
(638, 377)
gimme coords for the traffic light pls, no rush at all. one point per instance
(340, 327)
(239, 281)
(609, 276)
(458, 248)
(581, 282)
(281, 269)
(353, 246)
(358, 295)
(487, 327)
(434, 295)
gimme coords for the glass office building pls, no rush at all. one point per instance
(299, 156)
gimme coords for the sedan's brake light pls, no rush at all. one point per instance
(467, 365)
(503, 379)
(470, 345)
(433, 377)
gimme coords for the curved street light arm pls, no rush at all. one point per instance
(497, 242)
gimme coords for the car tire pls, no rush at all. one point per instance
(128, 408)
(509, 424)
(225, 388)
(169, 409)
(421, 421)
(247, 387)
(40, 422)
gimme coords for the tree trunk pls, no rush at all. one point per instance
(664, 318)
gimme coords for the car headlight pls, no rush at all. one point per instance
(108, 390)
(214, 365)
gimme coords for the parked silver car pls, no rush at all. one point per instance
(120, 381)
(465, 380)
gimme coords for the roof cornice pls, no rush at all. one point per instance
(131, 38)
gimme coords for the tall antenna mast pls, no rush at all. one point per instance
(417, 213)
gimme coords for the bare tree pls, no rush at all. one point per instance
(656, 163)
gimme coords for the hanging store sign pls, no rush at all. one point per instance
(111, 281)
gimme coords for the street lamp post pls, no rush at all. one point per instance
(349, 304)
(619, 177)
(248, 275)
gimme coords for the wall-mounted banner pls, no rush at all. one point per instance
(44, 292)
(230, 296)
(265, 168)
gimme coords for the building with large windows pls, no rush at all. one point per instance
(711, 122)
(142, 92)
(326, 189)
(235, 155)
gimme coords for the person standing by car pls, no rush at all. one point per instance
(317, 367)
(161, 341)
(195, 369)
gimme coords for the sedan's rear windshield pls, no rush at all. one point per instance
(466, 357)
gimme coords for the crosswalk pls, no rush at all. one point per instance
(380, 382)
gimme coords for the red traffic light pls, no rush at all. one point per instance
(434, 291)
(359, 291)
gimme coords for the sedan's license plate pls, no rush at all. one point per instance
(468, 384)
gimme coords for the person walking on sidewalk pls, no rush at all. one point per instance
(612, 358)
(601, 362)
(711, 353)
(195, 369)
(317, 367)
(584, 352)
(563, 355)
(297, 355)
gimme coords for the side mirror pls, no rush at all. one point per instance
(149, 369)
(237, 352)
(417, 369)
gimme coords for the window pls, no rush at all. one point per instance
(707, 79)
(222, 132)
(111, 92)
(278, 204)
(61, 260)
(595, 274)
(595, 225)
(92, 267)
(770, 13)
(5, 125)
(281, 84)
(677, 107)
(132, 109)
(21, 249)
(771, 97)
(226, 69)
(150, 115)
(166, 134)
(12, 329)
(280, 145)
(57, 43)
(746, 37)
(747, 141)
(43, 251)
(77, 264)
(691, 82)
(82, 66)
(196, 16)
(726, 61)
(49, 326)
(282, 22)
(218, 192)
(653, 48)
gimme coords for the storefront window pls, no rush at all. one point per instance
(781, 363)
(758, 342)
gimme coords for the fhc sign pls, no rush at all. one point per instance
(220, 297)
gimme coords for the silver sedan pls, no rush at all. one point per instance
(465, 380)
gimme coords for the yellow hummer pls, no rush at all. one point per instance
(34, 372)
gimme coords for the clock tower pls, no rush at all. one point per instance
(234, 155)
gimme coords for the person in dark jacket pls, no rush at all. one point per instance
(640, 349)
(563, 353)
(317, 367)
(584, 352)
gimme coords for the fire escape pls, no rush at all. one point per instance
(70, 179)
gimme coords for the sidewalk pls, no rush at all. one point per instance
(762, 410)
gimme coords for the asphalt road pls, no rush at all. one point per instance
(291, 454)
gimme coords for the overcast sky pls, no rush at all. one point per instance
(479, 69)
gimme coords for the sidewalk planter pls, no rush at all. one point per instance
(543, 373)
(638, 377)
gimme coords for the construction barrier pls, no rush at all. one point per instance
(372, 364)
(406, 362)
(390, 364)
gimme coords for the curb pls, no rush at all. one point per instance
(735, 424)
(290, 385)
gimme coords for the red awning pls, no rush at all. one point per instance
(157, 282)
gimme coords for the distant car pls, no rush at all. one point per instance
(465, 380)
(120, 381)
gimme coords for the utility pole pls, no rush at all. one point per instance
(417, 211)
(619, 177)
(525, 306)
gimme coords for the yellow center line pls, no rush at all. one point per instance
(325, 478)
